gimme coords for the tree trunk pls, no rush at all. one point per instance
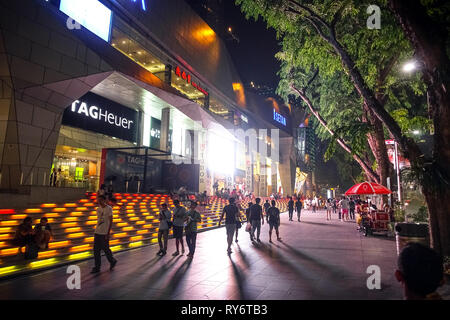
(378, 146)
(429, 40)
(367, 169)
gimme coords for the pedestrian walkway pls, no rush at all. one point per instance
(317, 259)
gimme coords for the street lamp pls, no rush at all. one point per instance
(409, 66)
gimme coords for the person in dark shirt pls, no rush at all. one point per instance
(247, 216)
(298, 208)
(231, 213)
(273, 219)
(256, 219)
(420, 270)
(24, 233)
(352, 208)
(291, 208)
(43, 233)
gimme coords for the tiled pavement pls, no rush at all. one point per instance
(316, 259)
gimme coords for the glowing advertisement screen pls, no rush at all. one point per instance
(91, 14)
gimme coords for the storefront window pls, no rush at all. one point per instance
(133, 49)
(77, 168)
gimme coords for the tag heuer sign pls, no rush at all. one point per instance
(95, 113)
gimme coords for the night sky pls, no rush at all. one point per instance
(254, 54)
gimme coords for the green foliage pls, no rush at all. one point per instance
(378, 55)
(421, 215)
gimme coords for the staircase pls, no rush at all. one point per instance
(135, 224)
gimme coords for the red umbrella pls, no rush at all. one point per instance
(367, 188)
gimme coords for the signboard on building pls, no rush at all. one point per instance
(95, 113)
(91, 14)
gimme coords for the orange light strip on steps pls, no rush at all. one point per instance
(8, 223)
(91, 222)
(75, 235)
(81, 209)
(136, 238)
(143, 231)
(70, 230)
(18, 216)
(5, 230)
(58, 244)
(5, 236)
(89, 239)
(47, 254)
(51, 215)
(9, 252)
(83, 247)
(69, 224)
(147, 226)
(32, 210)
(70, 205)
(128, 229)
(48, 205)
(59, 210)
(71, 219)
(120, 235)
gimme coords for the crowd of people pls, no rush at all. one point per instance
(420, 269)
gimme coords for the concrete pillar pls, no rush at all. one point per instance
(165, 126)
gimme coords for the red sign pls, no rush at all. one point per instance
(186, 76)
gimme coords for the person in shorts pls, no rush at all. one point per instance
(179, 218)
(43, 233)
(231, 213)
(273, 219)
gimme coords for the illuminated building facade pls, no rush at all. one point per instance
(146, 78)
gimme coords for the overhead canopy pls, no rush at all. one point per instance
(367, 188)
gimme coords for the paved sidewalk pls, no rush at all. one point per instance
(317, 259)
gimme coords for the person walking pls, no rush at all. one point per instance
(291, 208)
(273, 219)
(256, 219)
(352, 205)
(193, 217)
(101, 235)
(247, 216)
(231, 213)
(165, 224)
(238, 222)
(298, 208)
(329, 205)
(179, 217)
(344, 207)
(266, 206)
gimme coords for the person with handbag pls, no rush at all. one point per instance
(165, 224)
(179, 218)
(193, 217)
(238, 222)
(248, 227)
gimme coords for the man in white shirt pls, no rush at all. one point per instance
(101, 235)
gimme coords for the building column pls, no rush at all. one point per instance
(165, 126)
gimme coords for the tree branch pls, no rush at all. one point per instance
(367, 169)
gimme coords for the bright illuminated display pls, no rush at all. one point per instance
(220, 154)
(91, 14)
(186, 76)
(279, 118)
